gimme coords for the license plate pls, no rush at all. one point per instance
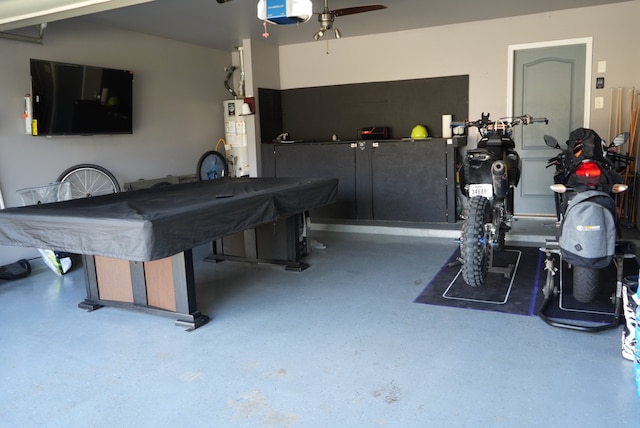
(485, 190)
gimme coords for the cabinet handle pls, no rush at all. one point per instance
(375, 144)
(354, 145)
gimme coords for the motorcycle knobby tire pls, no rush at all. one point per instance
(585, 284)
(474, 245)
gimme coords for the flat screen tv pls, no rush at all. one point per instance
(72, 99)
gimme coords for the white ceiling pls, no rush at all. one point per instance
(18, 13)
(223, 26)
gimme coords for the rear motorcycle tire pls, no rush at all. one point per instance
(585, 284)
(475, 247)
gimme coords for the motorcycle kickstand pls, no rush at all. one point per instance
(549, 290)
(506, 270)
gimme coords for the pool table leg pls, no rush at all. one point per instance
(164, 287)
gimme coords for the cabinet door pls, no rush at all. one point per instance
(409, 181)
(322, 160)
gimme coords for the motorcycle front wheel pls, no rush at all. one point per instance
(475, 246)
(585, 284)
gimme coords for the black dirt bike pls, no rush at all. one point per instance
(488, 177)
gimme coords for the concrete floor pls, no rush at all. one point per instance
(338, 345)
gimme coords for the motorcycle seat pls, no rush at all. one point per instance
(497, 140)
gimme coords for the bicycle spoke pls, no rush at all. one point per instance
(89, 180)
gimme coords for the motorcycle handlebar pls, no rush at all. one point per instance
(615, 155)
(539, 120)
(553, 160)
(525, 119)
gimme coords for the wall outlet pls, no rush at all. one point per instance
(599, 102)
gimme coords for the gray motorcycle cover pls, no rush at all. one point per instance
(588, 230)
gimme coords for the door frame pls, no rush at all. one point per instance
(588, 41)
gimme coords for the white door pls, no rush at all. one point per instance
(548, 80)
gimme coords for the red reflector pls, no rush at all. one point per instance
(588, 169)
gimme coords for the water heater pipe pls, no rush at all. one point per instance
(241, 88)
(230, 71)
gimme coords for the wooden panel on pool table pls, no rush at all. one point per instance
(160, 284)
(114, 279)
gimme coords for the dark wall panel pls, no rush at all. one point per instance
(270, 103)
(314, 114)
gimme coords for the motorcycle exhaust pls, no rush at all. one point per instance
(499, 178)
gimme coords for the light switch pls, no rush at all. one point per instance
(599, 102)
(602, 66)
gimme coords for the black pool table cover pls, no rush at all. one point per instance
(151, 224)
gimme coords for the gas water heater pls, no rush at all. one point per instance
(235, 134)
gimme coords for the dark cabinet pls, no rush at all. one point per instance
(318, 160)
(409, 181)
(392, 180)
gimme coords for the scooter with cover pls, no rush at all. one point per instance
(586, 181)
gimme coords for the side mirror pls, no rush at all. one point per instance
(620, 139)
(551, 142)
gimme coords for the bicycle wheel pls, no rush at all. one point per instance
(212, 165)
(88, 180)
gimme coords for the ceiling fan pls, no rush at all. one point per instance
(327, 16)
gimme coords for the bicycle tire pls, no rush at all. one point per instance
(212, 165)
(88, 180)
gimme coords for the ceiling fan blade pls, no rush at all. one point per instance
(357, 9)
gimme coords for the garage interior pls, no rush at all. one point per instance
(346, 341)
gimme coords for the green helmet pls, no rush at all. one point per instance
(418, 132)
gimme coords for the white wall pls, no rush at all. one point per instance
(178, 94)
(263, 71)
(478, 49)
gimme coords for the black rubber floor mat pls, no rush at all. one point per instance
(498, 293)
(521, 293)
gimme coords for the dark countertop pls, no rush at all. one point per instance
(458, 140)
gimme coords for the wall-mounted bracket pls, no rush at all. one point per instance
(23, 38)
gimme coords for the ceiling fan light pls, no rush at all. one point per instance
(337, 32)
(318, 34)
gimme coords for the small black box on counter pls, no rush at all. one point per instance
(375, 133)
